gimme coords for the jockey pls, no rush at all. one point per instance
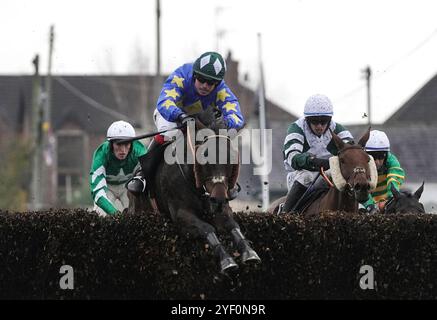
(308, 146)
(389, 170)
(189, 91)
(113, 165)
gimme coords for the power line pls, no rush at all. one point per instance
(391, 66)
(351, 93)
(91, 101)
(411, 52)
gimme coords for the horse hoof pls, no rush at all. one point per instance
(228, 264)
(250, 256)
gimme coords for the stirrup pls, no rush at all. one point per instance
(280, 207)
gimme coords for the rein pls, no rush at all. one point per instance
(201, 190)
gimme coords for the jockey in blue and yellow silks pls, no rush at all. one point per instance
(189, 91)
(389, 170)
(194, 87)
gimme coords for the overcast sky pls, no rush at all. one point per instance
(308, 46)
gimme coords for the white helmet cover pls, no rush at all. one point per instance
(318, 105)
(120, 130)
(378, 141)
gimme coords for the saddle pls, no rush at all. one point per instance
(149, 165)
(310, 197)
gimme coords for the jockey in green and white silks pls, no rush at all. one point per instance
(308, 146)
(389, 170)
(113, 165)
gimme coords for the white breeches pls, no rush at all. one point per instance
(162, 124)
(304, 177)
(117, 194)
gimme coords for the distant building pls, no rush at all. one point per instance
(82, 109)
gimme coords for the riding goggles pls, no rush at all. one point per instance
(378, 155)
(203, 80)
(323, 120)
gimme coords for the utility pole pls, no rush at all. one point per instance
(158, 37)
(219, 32)
(368, 74)
(35, 202)
(48, 185)
(262, 126)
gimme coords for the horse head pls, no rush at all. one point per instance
(405, 202)
(216, 168)
(353, 170)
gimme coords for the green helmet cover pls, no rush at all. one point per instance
(210, 65)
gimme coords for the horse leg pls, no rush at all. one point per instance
(138, 203)
(197, 227)
(225, 220)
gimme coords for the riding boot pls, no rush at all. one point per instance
(137, 184)
(296, 192)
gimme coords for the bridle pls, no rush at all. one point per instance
(215, 179)
(390, 205)
(200, 184)
(349, 188)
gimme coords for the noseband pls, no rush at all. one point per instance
(349, 188)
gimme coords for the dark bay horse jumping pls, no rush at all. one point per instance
(195, 195)
(404, 202)
(353, 173)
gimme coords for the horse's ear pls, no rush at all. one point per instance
(419, 191)
(394, 191)
(364, 138)
(337, 140)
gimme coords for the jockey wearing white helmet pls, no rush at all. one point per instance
(114, 163)
(308, 146)
(389, 170)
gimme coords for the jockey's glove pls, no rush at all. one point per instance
(372, 209)
(185, 118)
(318, 163)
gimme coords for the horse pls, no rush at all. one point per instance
(404, 202)
(354, 175)
(195, 195)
